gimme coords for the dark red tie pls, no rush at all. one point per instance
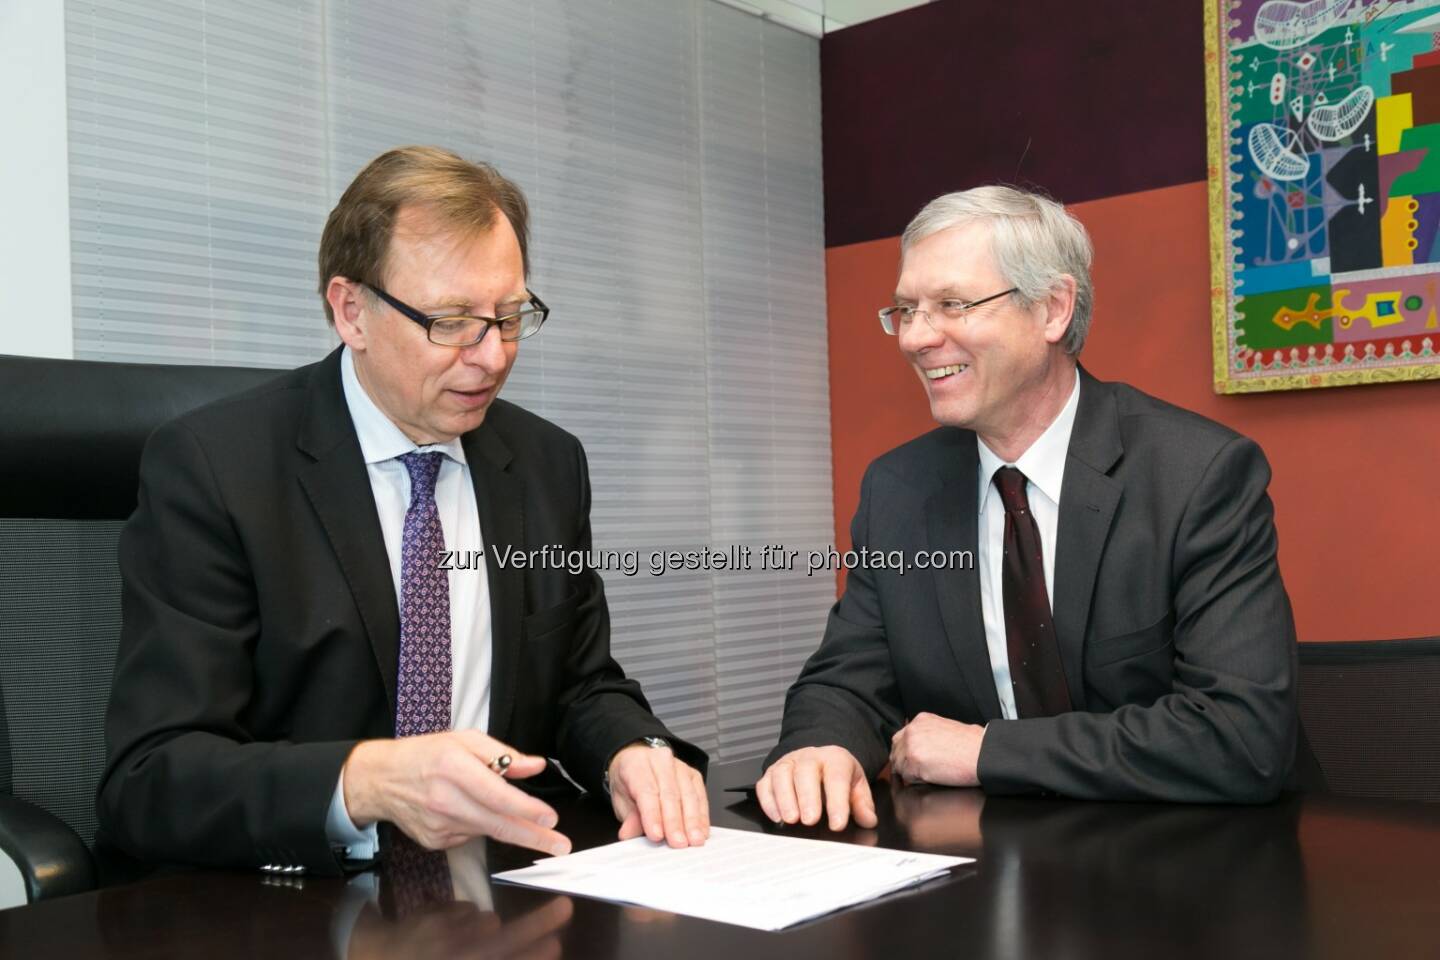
(1036, 674)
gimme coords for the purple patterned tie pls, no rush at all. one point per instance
(412, 878)
(422, 701)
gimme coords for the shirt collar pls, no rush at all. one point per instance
(1044, 462)
(380, 439)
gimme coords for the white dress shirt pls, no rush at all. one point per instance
(1044, 467)
(470, 649)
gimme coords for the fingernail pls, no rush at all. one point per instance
(697, 837)
(548, 821)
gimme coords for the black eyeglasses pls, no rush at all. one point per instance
(461, 331)
(895, 319)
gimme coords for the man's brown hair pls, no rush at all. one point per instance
(462, 196)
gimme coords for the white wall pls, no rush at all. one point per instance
(819, 17)
(34, 182)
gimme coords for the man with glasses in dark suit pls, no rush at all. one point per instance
(296, 664)
(1123, 631)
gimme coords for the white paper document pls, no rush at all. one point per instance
(756, 880)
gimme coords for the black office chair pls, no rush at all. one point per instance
(71, 433)
(1371, 711)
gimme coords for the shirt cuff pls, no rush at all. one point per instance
(341, 831)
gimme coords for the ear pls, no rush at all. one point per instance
(348, 303)
(1059, 308)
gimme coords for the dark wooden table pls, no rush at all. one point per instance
(1308, 876)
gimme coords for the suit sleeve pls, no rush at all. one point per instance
(846, 693)
(184, 778)
(1226, 731)
(602, 710)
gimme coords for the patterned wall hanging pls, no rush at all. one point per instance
(1324, 122)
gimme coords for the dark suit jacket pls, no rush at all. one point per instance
(261, 634)
(1174, 627)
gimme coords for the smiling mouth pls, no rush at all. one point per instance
(472, 398)
(940, 373)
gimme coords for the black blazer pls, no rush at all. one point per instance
(260, 637)
(1174, 627)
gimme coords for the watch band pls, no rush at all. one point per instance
(654, 743)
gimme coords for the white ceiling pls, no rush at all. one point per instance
(819, 17)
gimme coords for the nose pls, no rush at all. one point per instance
(919, 334)
(491, 354)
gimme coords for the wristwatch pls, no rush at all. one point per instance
(653, 742)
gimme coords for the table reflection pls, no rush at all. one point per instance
(1160, 874)
(1314, 876)
(423, 904)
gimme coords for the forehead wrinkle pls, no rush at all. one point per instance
(430, 239)
(432, 256)
(954, 263)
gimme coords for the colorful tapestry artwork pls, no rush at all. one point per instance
(1324, 191)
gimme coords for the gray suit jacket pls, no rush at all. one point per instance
(1174, 626)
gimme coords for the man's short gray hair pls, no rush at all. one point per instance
(1035, 242)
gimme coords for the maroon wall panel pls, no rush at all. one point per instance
(1086, 99)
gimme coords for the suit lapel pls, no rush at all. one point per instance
(338, 485)
(1088, 499)
(952, 520)
(499, 495)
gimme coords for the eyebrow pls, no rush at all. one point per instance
(952, 293)
(465, 305)
(944, 293)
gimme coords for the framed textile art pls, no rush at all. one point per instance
(1324, 129)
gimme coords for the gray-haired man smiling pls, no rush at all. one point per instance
(1125, 632)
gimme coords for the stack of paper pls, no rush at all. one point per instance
(755, 880)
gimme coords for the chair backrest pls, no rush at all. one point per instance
(1372, 713)
(71, 433)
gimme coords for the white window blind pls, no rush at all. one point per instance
(769, 415)
(671, 155)
(197, 180)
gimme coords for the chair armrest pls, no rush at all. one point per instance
(52, 859)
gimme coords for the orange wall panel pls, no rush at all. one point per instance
(1357, 469)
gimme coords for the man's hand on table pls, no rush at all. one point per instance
(931, 749)
(441, 791)
(812, 780)
(659, 796)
